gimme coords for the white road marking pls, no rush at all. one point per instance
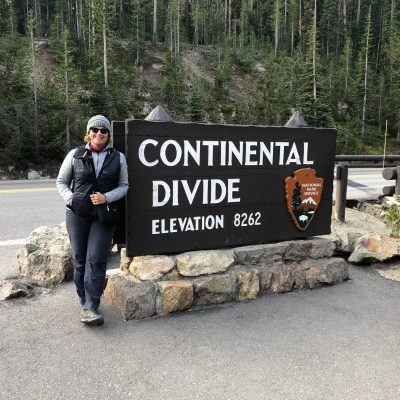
(12, 242)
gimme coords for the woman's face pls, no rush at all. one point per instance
(98, 136)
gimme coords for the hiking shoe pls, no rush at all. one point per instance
(90, 317)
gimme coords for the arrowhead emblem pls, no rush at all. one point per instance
(303, 195)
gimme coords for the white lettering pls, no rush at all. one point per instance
(155, 226)
(175, 199)
(188, 149)
(232, 189)
(219, 221)
(174, 225)
(163, 153)
(205, 191)
(189, 225)
(213, 195)
(142, 149)
(190, 194)
(267, 153)
(305, 155)
(281, 146)
(293, 156)
(227, 153)
(250, 152)
(156, 198)
(210, 144)
(233, 150)
(223, 154)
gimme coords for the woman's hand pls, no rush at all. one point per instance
(98, 198)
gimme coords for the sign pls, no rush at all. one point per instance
(203, 186)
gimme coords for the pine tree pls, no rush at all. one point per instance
(196, 102)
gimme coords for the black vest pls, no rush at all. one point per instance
(84, 181)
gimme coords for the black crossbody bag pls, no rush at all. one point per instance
(108, 213)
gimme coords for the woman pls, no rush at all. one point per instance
(89, 176)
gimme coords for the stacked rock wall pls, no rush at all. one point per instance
(159, 285)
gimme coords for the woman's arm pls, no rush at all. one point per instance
(120, 191)
(64, 177)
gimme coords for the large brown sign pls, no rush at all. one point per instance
(202, 186)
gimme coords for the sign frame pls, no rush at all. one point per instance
(259, 188)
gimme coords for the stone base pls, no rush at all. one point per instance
(206, 278)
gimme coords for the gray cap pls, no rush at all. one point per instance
(98, 120)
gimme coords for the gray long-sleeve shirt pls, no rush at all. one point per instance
(65, 176)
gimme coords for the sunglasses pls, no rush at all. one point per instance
(102, 130)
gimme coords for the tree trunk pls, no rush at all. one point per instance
(364, 112)
(300, 21)
(178, 19)
(155, 38)
(292, 36)
(345, 18)
(66, 77)
(230, 18)
(314, 53)
(276, 26)
(225, 17)
(105, 46)
(285, 13)
(358, 12)
(346, 78)
(137, 38)
(78, 29)
(38, 21)
(34, 87)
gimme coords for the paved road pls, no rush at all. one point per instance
(340, 342)
(366, 183)
(25, 205)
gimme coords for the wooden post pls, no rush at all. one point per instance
(342, 172)
(397, 184)
(391, 173)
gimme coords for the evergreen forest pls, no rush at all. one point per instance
(221, 61)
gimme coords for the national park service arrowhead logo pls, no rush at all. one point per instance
(303, 195)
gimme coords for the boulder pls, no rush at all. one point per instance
(269, 254)
(357, 224)
(3, 175)
(147, 108)
(46, 255)
(151, 268)
(278, 279)
(41, 44)
(375, 247)
(324, 271)
(215, 289)
(125, 261)
(390, 201)
(175, 296)
(389, 270)
(132, 299)
(20, 287)
(259, 67)
(249, 284)
(33, 175)
(196, 263)
(314, 248)
(263, 254)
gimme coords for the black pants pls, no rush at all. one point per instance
(90, 243)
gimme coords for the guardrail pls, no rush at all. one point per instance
(342, 173)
